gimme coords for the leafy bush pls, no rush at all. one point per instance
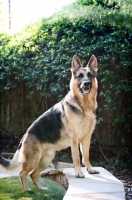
(39, 57)
(107, 4)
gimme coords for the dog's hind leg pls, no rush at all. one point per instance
(27, 167)
(44, 162)
(30, 157)
(23, 176)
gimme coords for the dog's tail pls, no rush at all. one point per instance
(10, 164)
(15, 162)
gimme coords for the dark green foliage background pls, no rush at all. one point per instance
(40, 57)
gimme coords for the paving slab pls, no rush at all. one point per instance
(4, 173)
(103, 186)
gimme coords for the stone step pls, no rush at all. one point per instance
(103, 186)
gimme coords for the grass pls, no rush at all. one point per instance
(11, 189)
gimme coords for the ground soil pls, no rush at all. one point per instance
(124, 174)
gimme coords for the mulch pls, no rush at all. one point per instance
(125, 176)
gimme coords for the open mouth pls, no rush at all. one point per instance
(86, 90)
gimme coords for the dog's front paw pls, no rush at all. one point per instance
(93, 171)
(79, 175)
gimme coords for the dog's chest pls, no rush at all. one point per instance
(84, 126)
(79, 125)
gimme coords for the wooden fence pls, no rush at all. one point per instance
(19, 107)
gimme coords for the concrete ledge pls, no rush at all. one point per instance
(103, 186)
(62, 165)
(7, 155)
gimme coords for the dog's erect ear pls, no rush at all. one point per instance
(93, 63)
(76, 64)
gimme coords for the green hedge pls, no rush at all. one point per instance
(40, 56)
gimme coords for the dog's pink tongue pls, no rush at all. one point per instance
(86, 91)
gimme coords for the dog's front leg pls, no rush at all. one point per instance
(76, 158)
(84, 147)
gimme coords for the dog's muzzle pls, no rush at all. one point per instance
(86, 87)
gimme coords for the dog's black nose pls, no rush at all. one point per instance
(87, 83)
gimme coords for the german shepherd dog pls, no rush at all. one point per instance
(69, 123)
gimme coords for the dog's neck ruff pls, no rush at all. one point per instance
(73, 104)
(71, 100)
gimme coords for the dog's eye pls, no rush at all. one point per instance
(80, 75)
(89, 75)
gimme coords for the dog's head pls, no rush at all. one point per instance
(84, 76)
